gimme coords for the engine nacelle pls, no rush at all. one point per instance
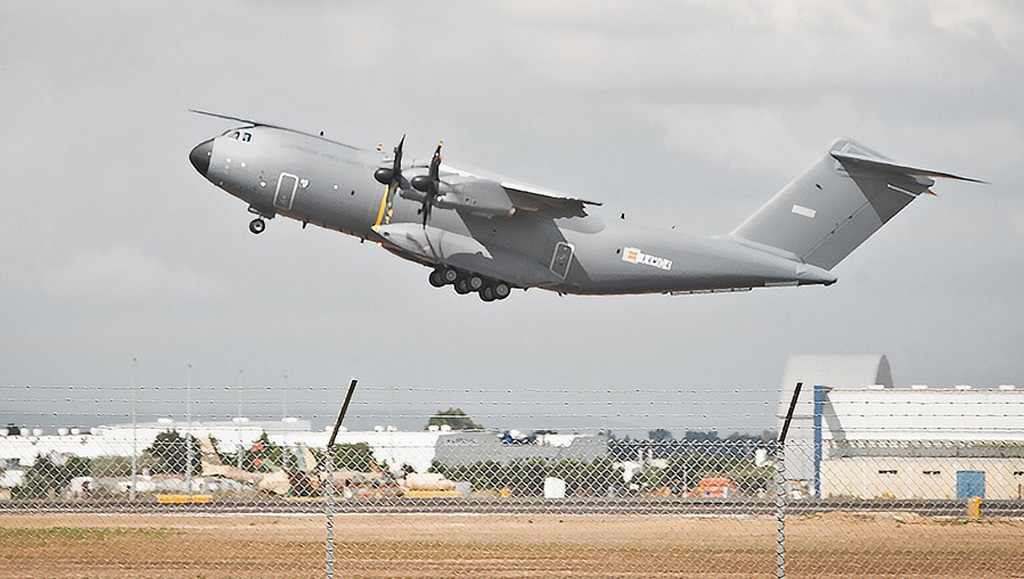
(384, 175)
(480, 196)
(413, 195)
(422, 183)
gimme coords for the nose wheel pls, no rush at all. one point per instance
(257, 226)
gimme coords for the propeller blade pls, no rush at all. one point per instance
(426, 211)
(435, 164)
(392, 177)
(433, 184)
(396, 165)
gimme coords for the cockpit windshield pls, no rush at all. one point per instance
(238, 135)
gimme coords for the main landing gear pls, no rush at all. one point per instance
(466, 282)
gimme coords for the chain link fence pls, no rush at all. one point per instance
(222, 496)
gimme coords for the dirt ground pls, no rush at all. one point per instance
(503, 546)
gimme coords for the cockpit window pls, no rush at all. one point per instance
(244, 136)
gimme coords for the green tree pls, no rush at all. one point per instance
(750, 478)
(659, 434)
(700, 436)
(263, 456)
(455, 418)
(583, 478)
(48, 478)
(357, 457)
(119, 465)
(170, 452)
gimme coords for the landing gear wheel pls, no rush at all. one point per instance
(462, 287)
(437, 278)
(475, 282)
(502, 290)
(257, 226)
(450, 275)
(487, 294)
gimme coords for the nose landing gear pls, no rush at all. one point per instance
(259, 225)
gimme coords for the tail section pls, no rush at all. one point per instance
(832, 208)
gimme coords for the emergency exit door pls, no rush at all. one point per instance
(562, 259)
(285, 194)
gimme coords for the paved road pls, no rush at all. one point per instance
(586, 506)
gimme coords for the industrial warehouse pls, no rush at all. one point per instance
(855, 435)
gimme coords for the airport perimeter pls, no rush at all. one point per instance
(873, 481)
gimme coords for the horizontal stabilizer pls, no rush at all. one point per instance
(880, 164)
(838, 203)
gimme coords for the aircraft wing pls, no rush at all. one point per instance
(529, 198)
(480, 193)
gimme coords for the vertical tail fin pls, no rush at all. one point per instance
(826, 213)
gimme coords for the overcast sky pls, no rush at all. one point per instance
(685, 113)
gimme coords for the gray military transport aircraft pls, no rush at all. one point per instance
(489, 235)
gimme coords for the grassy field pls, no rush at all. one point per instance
(503, 546)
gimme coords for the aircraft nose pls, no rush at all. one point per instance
(200, 156)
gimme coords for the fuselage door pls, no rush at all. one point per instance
(562, 259)
(285, 194)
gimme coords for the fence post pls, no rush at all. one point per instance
(780, 512)
(329, 511)
(327, 470)
(780, 489)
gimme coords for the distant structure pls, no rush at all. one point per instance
(390, 446)
(855, 435)
(461, 448)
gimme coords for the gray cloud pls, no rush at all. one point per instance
(681, 113)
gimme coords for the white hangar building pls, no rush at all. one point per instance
(855, 435)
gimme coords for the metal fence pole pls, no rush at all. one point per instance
(780, 512)
(780, 489)
(329, 511)
(327, 470)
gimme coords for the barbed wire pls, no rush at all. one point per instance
(481, 390)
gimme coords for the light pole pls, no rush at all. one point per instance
(238, 420)
(286, 455)
(135, 428)
(188, 433)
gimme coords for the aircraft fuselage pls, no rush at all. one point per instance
(329, 184)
